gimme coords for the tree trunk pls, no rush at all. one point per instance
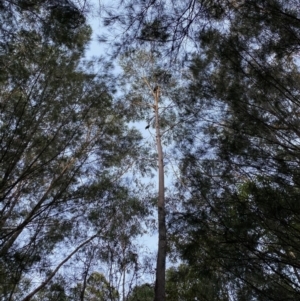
(162, 239)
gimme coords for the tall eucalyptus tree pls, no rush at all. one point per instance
(240, 184)
(243, 211)
(150, 98)
(64, 146)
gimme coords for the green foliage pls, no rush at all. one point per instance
(240, 214)
(154, 31)
(239, 142)
(143, 292)
(98, 289)
(60, 22)
(64, 146)
(183, 283)
(55, 291)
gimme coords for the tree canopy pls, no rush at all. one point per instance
(63, 146)
(74, 170)
(242, 208)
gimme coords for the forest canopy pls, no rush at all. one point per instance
(216, 84)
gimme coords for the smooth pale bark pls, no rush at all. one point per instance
(162, 232)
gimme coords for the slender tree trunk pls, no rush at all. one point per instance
(162, 239)
(124, 270)
(86, 272)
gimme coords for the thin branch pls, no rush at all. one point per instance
(46, 281)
